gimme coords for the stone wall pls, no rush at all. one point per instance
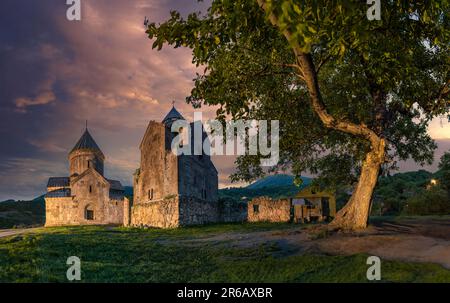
(162, 213)
(61, 211)
(113, 212)
(264, 209)
(70, 211)
(82, 160)
(158, 174)
(197, 177)
(231, 211)
(194, 211)
(126, 212)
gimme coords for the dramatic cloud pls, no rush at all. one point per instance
(56, 74)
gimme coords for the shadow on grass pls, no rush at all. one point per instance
(136, 255)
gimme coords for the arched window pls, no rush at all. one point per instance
(90, 189)
(89, 163)
(89, 213)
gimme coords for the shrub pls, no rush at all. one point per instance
(435, 201)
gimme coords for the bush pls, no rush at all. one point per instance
(435, 201)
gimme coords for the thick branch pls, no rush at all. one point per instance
(309, 73)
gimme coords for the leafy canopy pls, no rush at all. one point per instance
(391, 75)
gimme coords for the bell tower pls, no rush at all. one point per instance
(86, 154)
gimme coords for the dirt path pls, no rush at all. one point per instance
(13, 232)
(408, 240)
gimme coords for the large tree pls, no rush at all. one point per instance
(352, 95)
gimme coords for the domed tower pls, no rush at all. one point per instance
(85, 154)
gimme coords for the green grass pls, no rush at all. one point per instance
(136, 255)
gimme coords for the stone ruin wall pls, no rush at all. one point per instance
(232, 212)
(69, 211)
(161, 213)
(194, 211)
(269, 210)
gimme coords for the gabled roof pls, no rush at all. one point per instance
(115, 185)
(59, 193)
(172, 115)
(88, 171)
(86, 142)
(58, 182)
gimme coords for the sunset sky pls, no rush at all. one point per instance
(55, 74)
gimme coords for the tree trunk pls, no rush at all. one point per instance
(355, 214)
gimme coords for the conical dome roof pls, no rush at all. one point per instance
(86, 142)
(172, 116)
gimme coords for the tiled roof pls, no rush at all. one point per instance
(58, 182)
(115, 185)
(59, 193)
(172, 115)
(86, 142)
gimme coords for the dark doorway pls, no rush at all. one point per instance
(325, 207)
(89, 214)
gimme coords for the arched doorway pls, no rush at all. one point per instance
(89, 213)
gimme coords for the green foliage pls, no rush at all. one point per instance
(389, 75)
(434, 201)
(392, 192)
(444, 173)
(22, 213)
(144, 256)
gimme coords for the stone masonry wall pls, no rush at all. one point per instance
(162, 213)
(231, 211)
(194, 211)
(158, 173)
(61, 211)
(69, 211)
(81, 160)
(126, 212)
(269, 210)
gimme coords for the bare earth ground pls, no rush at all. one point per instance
(13, 232)
(410, 240)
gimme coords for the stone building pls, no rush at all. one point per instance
(309, 204)
(265, 209)
(172, 190)
(86, 197)
(313, 204)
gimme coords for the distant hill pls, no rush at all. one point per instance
(276, 181)
(22, 213)
(274, 186)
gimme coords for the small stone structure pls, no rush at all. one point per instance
(265, 209)
(313, 204)
(309, 204)
(86, 197)
(173, 190)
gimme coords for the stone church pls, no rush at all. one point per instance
(86, 197)
(171, 190)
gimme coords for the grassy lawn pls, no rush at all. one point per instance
(135, 255)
